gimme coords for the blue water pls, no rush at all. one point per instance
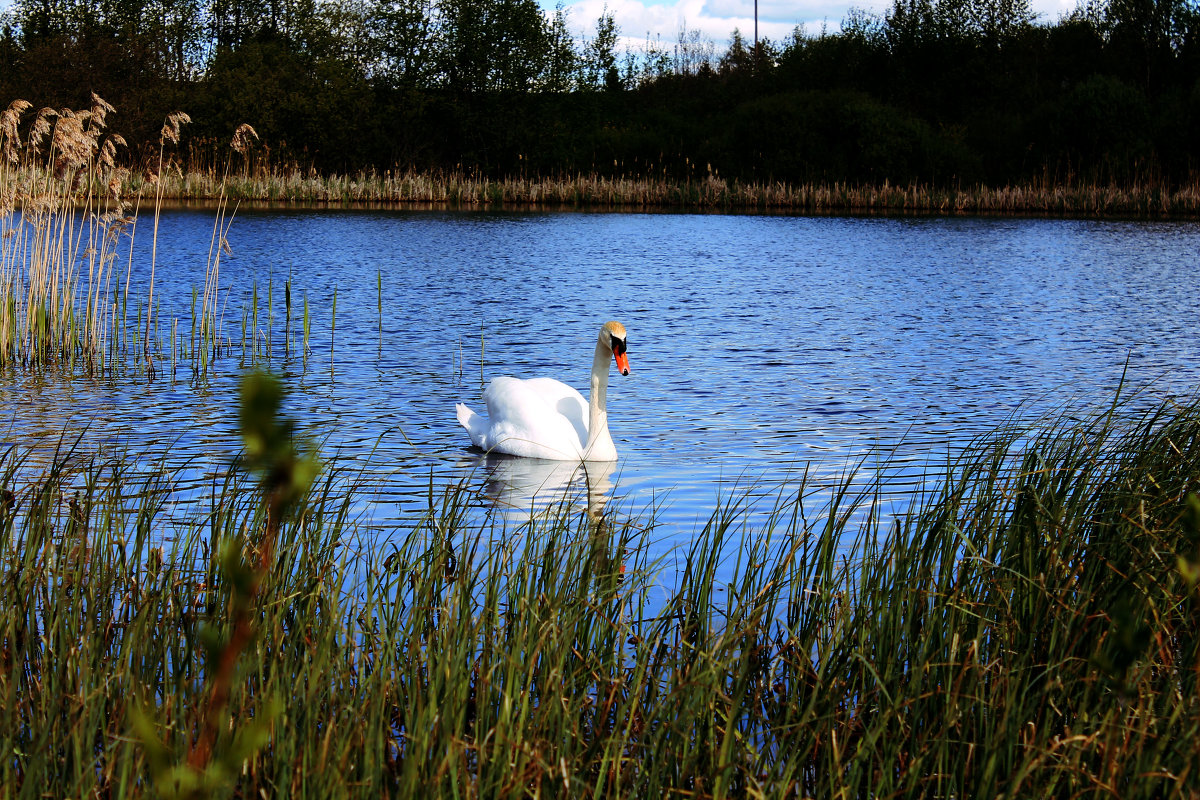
(760, 346)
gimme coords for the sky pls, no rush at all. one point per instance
(716, 19)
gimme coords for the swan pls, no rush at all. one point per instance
(545, 418)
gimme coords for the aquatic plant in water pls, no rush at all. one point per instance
(1027, 627)
(68, 215)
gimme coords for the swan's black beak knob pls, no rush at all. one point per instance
(618, 348)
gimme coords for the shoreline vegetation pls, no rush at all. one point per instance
(69, 215)
(1027, 628)
(943, 93)
(596, 192)
(70, 202)
(269, 187)
(87, 168)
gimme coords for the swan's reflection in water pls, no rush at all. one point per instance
(519, 488)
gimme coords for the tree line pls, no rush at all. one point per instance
(936, 91)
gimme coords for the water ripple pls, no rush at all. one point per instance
(759, 345)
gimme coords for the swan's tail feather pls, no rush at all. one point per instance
(475, 424)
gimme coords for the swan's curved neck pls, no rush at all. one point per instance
(598, 399)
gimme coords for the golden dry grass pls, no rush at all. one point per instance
(465, 189)
(58, 255)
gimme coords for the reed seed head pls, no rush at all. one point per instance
(115, 181)
(100, 110)
(108, 151)
(170, 129)
(74, 145)
(40, 129)
(9, 119)
(241, 142)
(18, 107)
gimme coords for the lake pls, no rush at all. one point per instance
(760, 346)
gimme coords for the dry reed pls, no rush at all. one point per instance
(71, 219)
(67, 214)
(260, 182)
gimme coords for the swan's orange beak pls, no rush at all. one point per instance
(622, 362)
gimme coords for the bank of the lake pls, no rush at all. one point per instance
(707, 192)
(284, 188)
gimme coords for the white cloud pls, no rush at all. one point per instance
(637, 20)
(716, 19)
(776, 10)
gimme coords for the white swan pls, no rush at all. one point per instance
(545, 418)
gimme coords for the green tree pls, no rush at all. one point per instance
(181, 35)
(1146, 35)
(738, 57)
(656, 63)
(520, 51)
(404, 36)
(600, 54)
(491, 44)
(694, 54)
(998, 21)
(562, 63)
(40, 20)
(236, 21)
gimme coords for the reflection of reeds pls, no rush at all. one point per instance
(1027, 628)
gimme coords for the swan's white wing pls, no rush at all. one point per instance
(564, 400)
(538, 418)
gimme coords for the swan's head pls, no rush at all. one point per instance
(612, 336)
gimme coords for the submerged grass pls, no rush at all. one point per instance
(1028, 628)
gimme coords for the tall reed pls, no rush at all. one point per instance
(64, 178)
(68, 213)
(1027, 628)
